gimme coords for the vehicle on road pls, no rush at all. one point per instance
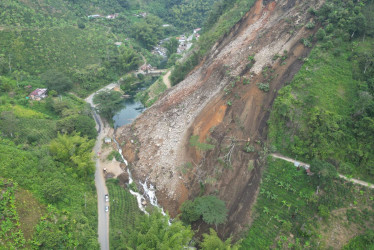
(106, 197)
(106, 208)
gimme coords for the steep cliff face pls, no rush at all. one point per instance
(221, 102)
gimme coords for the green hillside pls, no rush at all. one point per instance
(53, 185)
(39, 36)
(327, 110)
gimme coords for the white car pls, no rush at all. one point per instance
(106, 197)
(106, 208)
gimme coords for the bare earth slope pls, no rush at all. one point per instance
(213, 103)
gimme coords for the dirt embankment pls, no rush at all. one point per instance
(220, 101)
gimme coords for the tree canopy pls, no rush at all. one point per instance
(56, 80)
(74, 152)
(154, 232)
(213, 242)
(211, 208)
(108, 103)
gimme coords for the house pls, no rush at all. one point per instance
(181, 39)
(196, 30)
(38, 94)
(107, 140)
(94, 16)
(146, 67)
(143, 14)
(118, 43)
(112, 16)
(308, 172)
(166, 25)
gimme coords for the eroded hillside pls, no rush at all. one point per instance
(222, 103)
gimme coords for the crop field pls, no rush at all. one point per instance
(10, 229)
(283, 204)
(123, 209)
(290, 214)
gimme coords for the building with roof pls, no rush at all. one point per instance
(38, 94)
(94, 16)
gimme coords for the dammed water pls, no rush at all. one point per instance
(128, 114)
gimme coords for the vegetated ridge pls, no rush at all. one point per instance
(224, 102)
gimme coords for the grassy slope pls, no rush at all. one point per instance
(151, 94)
(29, 210)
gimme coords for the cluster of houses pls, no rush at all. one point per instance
(185, 43)
(111, 16)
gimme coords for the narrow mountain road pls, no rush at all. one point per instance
(101, 189)
(362, 183)
(167, 80)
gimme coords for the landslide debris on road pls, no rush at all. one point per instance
(220, 101)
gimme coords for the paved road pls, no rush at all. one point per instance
(101, 189)
(89, 99)
(362, 183)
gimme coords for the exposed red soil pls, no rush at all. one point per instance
(199, 106)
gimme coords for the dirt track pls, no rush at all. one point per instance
(358, 182)
(166, 80)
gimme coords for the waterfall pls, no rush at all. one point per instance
(149, 192)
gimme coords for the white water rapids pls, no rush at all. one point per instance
(149, 192)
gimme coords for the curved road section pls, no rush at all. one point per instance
(101, 189)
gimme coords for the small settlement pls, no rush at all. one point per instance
(185, 43)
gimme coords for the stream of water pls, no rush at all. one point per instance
(149, 190)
